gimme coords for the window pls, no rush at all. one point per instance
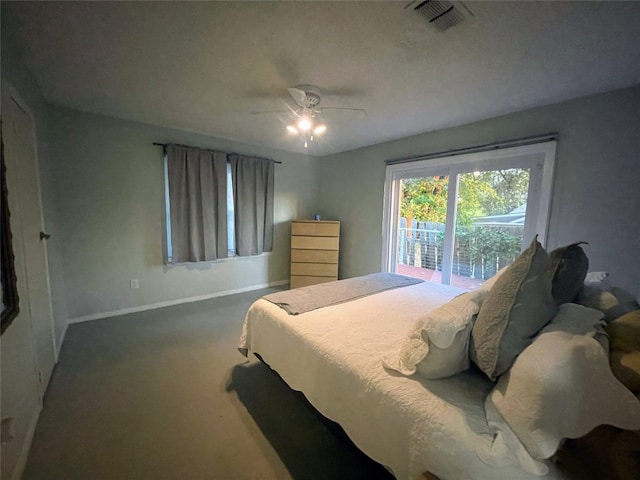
(230, 213)
(167, 209)
(217, 204)
(231, 216)
(456, 220)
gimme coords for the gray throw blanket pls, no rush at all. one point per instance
(305, 299)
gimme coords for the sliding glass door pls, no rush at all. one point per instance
(458, 220)
(421, 225)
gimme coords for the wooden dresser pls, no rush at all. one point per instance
(315, 247)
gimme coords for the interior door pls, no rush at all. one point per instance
(22, 175)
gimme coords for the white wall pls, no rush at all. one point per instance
(596, 197)
(109, 191)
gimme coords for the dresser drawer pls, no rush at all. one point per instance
(315, 243)
(315, 269)
(314, 256)
(306, 280)
(316, 229)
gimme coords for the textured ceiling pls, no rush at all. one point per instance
(203, 66)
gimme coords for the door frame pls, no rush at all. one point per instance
(10, 93)
(541, 155)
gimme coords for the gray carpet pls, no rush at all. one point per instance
(164, 394)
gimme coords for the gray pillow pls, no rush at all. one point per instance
(567, 270)
(613, 302)
(518, 306)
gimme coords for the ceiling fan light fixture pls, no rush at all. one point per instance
(304, 124)
(320, 129)
(308, 116)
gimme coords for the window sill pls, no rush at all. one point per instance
(231, 258)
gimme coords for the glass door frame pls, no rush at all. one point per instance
(539, 158)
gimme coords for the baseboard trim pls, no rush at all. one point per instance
(60, 341)
(21, 463)
(152, 306)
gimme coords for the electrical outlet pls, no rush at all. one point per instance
(133, 283)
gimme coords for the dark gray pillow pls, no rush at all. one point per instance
(518, 306)
(613, 302)
(567, 270)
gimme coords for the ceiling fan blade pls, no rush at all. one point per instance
(270, 112)
(341, 91)
(299, 96)
(353, 112)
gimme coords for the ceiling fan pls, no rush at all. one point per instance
(307, 112)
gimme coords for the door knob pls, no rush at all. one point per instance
(44, 236)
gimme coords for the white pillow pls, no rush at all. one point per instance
(561, 386)
(437, 346)
(597, 279)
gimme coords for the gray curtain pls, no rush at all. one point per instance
(253, 201)
(198, 203)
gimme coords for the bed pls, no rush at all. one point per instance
(408, 423)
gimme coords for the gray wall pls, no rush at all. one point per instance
(110, 195)
(596, 197)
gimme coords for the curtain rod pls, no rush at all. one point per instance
(477, 148)
(164, 146)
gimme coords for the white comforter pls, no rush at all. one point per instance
(409, 425)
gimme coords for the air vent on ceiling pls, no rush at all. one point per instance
(442, 14)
